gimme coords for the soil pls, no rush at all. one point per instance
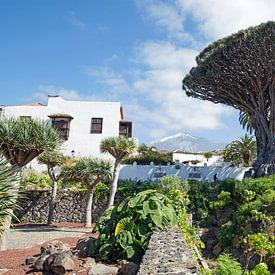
(13, 259)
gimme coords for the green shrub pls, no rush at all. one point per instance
(225, 234)
(124, 230)
(260, 269)
(261, 243)
(101, 192)
(224, 198)
(173, 182)
(227, 266)
(146, 157)
(130, 188)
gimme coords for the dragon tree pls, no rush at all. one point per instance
(239, 71)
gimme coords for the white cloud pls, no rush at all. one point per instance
(68, 94)
(165, 63)
(106, 76)
(213, 18)
(75, 21)
(218, 18)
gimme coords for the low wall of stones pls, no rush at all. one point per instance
(70, 207)
(167, 253)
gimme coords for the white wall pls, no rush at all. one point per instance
(146, 172)
(181, 157)
(80, 139)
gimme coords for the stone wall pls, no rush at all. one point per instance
(70, 207)
(167, 253)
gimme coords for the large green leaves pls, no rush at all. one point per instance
(129, 225)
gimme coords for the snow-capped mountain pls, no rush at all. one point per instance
(187, 143)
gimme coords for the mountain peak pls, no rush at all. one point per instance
(187, 142)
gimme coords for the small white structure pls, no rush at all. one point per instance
(82, 124)
(184, 157)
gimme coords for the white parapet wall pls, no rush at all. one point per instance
(153, 172)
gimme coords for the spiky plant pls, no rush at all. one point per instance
(90, 172)
(22, 140)
(52, 159)
(119, 148)
(8, 195)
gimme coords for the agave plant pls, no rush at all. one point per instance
(119, 148)
(8, 195)
(90, 172)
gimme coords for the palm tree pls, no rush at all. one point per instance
(119, 148)
(53, 160)
(246, 122)
(90, 172)
(8, 196)
(241, 151)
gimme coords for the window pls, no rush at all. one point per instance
(61, 122)
(125, 129)
(63, 126)
(96, 125)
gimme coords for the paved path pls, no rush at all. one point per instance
(33, 235)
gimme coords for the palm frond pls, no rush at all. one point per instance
(118, 147)
(88, 169)
(22, 140)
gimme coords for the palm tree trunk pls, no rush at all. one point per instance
(114, 183)
(52, 202)
(89, 203)
(5, 238)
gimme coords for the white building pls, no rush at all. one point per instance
(82, 124)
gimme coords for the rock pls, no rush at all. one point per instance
(217, 250)
(54, 247)
(128, 268)
(89, 263)
(81, 243)
(61, 263)
(83, 246)
(102, 269)
(39, 263)
(48, 262)
(30, 260)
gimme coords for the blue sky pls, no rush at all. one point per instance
(136, 52)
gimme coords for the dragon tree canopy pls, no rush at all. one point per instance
(239, 71)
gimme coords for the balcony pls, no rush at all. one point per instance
(125, 128)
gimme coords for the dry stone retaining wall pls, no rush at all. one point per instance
(70, 207)
(167, 253)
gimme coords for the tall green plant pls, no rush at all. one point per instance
(119, 148)
(22, 140)
(52, 159)
(241, 151)
(8, 195)
(90, 172)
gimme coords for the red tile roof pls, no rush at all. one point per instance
(32, 104)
